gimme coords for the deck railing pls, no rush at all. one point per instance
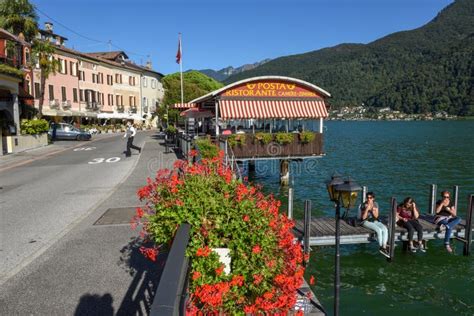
(252, 148)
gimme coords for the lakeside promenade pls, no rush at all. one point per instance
(96, 268)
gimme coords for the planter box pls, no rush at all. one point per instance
(253, 148)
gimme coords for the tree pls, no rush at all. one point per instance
(43, 52)
(19, 16)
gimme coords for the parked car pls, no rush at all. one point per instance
(67, 131)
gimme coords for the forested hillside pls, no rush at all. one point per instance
(423, 70)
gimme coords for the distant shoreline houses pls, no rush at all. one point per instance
(87, 87)
(361, 113)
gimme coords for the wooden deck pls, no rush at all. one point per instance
(322, 231)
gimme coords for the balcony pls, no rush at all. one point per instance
(66, 105)
(133, 109)
(93, 106)
(54, 104)
(249, 146)
(120, 108)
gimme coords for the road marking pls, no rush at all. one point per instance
(84, 148)
(101, 160)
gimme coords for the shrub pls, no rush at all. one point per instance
(284, 138)
(307, 137)
(266, 263)
(236, 139)
(171, 129)
(264, 138)
(34, 126)
(206, 148)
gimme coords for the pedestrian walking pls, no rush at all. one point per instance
(130, 134)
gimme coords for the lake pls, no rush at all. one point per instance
(400, 159)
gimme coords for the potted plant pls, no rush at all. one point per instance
(265, 263)
(306, 137)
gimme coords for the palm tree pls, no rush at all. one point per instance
(43, 52)
(19, 16)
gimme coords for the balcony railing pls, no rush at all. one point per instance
(120, 108)
(66, 104)
(133, 109)
(252, 148)
(54, 104)
(92, 105)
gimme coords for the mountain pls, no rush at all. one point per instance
(422, 70)
(224, 73)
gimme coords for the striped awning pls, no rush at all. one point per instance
(183, 105)
(243, 109)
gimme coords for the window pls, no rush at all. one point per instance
(27, 55)
(102, 97)
(63, 94)
(82, 75)
(119, 100)
(71, 66)
(118, 78)
(144, 103)
(81, 95)
(110, 97)
(51, 92)
(101, 78)
(94, 78)
(153, 83)
(144, 82)
(74, 94)
(37, 90)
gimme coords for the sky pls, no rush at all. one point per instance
(221, 33)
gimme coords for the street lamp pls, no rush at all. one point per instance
(344, 192)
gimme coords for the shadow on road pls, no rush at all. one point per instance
(95, 305)
(146, 276)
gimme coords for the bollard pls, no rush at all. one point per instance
(468, 229)
(432, 202)
(455, 196)
(290, 203)
(392, 223)
(307, 232)
(364, 194)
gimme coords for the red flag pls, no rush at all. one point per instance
(178, 54)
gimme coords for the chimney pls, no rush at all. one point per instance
(148, 65)
(48, 26)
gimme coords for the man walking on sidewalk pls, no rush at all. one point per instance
(130, 134)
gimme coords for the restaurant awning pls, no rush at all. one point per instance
(196, 113)
(263, 109)
(183, 105)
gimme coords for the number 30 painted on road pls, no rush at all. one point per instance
(101, 160)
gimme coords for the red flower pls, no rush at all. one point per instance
(246, 218)
(311, 280)
(149, 253)
(196, 275)
(203, 252)
(256, 249)
(257, 279)
(193, 153)
(237, 280)
(179, 202)
(139, 212)
(219, 270)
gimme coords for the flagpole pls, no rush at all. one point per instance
(181, 68)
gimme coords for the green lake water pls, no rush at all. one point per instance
(397, 159)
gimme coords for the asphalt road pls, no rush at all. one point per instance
(43, 199)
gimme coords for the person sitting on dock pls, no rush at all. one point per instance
(369, 218)
(446, 217)
(407, 217)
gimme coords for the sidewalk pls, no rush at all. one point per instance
(16, 159)
(96, 268)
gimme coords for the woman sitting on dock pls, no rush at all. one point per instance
(369, 218)
(407, 217)
(446, 217)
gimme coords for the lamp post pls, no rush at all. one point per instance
(344, 192)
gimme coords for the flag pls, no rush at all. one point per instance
(178, 54)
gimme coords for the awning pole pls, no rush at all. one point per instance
(321, 125)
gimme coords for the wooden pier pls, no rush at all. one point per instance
(321, 231)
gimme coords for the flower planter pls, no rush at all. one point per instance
(224, 258)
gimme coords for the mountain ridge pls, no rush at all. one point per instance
(426, 69)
